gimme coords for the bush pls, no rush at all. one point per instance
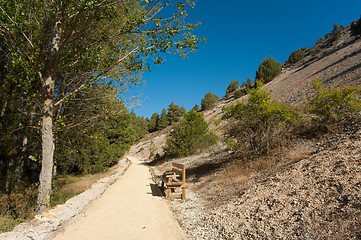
(296, 55)
(233, 86)
(239, 93)
(356, 28)
(336, 32)
(189, 135)
(260, 125)
(268, 70)
(334, 105)
(209, 101)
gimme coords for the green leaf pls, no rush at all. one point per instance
(32, 158)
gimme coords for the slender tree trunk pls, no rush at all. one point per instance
(47, 156)
(46, 173)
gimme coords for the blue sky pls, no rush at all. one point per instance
(240, 35)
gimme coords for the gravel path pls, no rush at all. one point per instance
(131, 208)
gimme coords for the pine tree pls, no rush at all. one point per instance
(233, 86)
(163, 121)
(209, 101)
(153, 122)
(189, 135)
(175, 112)
(267, 70)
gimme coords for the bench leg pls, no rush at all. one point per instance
(167, 193)
(183, 193)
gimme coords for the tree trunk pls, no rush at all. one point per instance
(46, 173)
(47, 157)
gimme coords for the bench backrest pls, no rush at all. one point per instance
(180, 169)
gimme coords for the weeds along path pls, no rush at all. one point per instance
(131, 208)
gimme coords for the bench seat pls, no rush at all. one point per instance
(173, 180)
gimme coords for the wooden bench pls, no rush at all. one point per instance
(173, 180)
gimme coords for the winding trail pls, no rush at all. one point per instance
(130, 209)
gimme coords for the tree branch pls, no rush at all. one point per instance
(17, 26)
(93, 78)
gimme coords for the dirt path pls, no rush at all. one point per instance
(130, 209)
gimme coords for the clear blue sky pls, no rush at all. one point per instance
(240, 35)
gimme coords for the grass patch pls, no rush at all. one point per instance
(68, 186)
(16, 208)
(7, 223)
(19, 206)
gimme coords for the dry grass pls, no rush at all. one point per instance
(16, 208)
(67, 186)
(233, 178)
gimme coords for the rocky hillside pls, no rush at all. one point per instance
(312, 191)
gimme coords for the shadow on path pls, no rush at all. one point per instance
(155, 191)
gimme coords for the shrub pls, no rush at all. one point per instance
(356, 28)
(239, 93)
(336, 32)
(336, 104)
(189, 135)
(296, 56)
(268, 70)
(233, 86)
(259, 125)
(208, 101)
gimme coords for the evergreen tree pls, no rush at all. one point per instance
(189, 135)
(267, 70)
(248, 84)
(153, 122)
(233, 86)
(175, 112)
(196, 107)
(163, 120)
(209, 101)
